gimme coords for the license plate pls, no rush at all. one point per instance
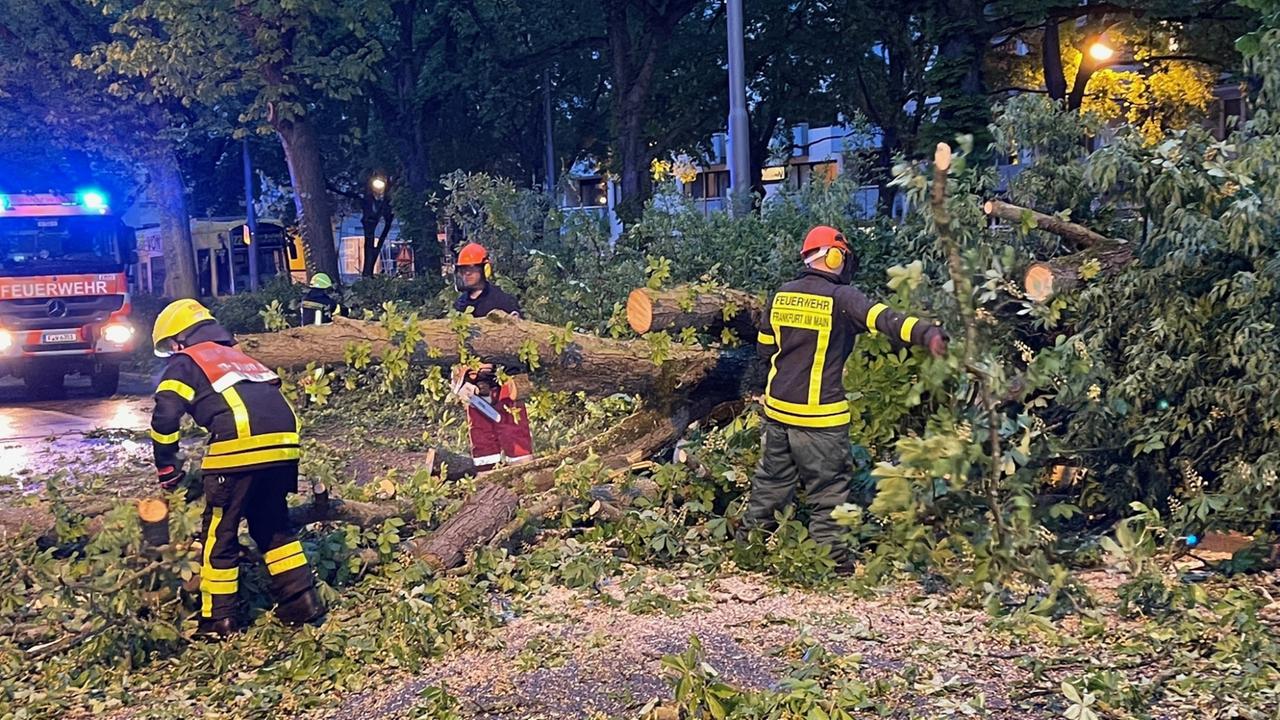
(61, 337)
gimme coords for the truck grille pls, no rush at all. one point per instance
(61, 312)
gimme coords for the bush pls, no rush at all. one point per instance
(421, 294)
(241, 313)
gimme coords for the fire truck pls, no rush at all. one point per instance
(64, 293)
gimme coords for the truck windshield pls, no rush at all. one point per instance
(43, 245)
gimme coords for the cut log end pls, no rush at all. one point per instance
(153, 510)
(1039, 282)
(640, 310)
(988, 207)
(942, 157)
(154, 516)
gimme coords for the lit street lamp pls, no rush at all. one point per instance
(1101, 52)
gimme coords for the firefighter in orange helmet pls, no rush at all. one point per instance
(807, 336)
(497, 418)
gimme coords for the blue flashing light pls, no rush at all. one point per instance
(1192, 540)
(93, 199)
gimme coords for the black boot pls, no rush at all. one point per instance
(220, 629)
(305, 607)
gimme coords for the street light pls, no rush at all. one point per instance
(1101, 52)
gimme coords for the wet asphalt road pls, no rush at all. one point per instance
(42, 436)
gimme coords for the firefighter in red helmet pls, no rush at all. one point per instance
(497, 418)
(807, 336)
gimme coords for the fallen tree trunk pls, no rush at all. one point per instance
(572, 362)
(1079, 235)
(1045, 279)
(487, 511)
(681, 307)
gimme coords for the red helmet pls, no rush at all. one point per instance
(473, 254)
(823, 236)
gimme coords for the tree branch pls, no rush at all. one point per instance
(1014, 88)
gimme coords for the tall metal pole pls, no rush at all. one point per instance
(549, 157)
(251, 217)
(739, 147)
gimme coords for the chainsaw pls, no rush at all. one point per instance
(476, 401)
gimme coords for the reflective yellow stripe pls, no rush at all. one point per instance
(219, 574)
(181, 389)
(253, 443)
(801, 310)
(239, 411)
(287, 564)
(206, 598)
(907, 326)
(247, 459)
(819, 362)
(810, 422)
(773, 359)
(766, 339)
(872, 315)
(219, 587)
(163, 439)
(282, 552)
(804, 409)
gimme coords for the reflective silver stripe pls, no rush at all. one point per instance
(232, 378)
(486, 459)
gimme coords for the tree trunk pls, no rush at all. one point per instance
(597, 366)
(168, 191)
(1043, 280)
(958, 74)
(310, 194)
(374, 210)
(1079, 235)
(682, 307)
(1055, 79)
(634, 53)
(479, 519)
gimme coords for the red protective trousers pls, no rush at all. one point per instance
(508, 438)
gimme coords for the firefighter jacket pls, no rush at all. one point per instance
(234, 397)
(319, 307)
(808, 335)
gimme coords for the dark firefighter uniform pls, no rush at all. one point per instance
(807, 336)
(510, 436)
(249, 468)
(318, 305)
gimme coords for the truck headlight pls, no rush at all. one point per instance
(117, 333)
(6, 340)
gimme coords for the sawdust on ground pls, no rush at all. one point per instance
(571, 655)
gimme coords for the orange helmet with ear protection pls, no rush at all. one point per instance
(832, 240)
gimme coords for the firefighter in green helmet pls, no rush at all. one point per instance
(319, 305)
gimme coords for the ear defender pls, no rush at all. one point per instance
(488, 270)
(833, 259)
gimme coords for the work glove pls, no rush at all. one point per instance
(170, 476)
(937, 341)
(466, 392)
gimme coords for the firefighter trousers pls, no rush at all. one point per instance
(816, 461)
(509, 438)
(257, 496)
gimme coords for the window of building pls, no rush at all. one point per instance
(593, 193)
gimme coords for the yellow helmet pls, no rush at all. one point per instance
(178, 317)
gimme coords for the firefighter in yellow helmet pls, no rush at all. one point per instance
(318, 305)
(249, 468)
(807, 336)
